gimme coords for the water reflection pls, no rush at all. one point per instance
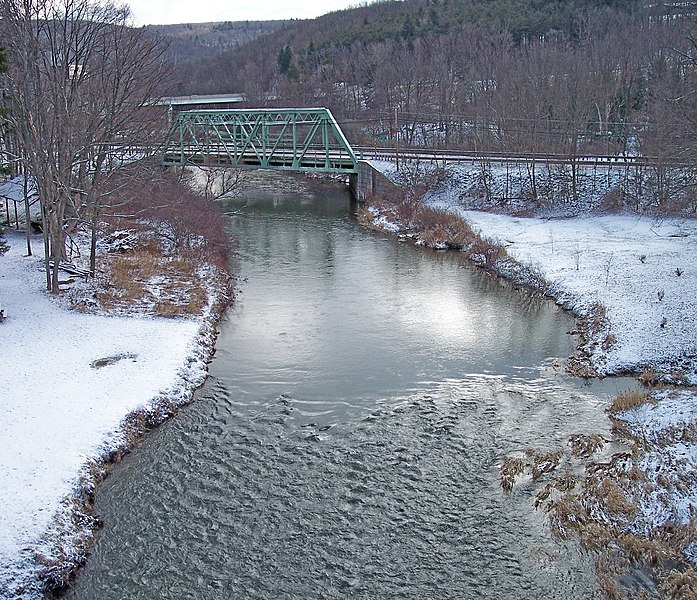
(346, 444)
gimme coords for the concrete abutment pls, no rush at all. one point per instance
(370, 182)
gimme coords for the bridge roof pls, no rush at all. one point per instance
(201, 99)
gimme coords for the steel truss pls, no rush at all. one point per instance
(294, 139)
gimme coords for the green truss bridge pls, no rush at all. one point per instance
(293, 139)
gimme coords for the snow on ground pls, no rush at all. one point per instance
(667, 427)
(60, 409)
(642, 270)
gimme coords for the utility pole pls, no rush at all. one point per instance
(396, 138)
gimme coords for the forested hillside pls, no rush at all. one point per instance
(315, 43)
(571, 77)
(191, 44)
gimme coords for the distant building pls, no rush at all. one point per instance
(12, 200)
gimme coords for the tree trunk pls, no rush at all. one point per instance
(93, 245)
(27, 218)
(57, 251)
(47, 246)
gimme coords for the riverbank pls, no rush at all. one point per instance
(78, 390)
(631, 281)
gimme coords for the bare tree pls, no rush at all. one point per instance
(213, 183)
(79, 84)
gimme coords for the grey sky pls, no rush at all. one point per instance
(199, 11)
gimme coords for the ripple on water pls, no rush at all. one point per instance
(404, 503)
(347, 442)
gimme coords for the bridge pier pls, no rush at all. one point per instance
(368, 182)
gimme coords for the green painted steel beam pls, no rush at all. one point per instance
(293, 139)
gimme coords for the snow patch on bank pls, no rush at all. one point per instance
(667, 428)
(62, 411)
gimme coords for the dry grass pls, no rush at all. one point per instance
(600, 513)
(433, 228)
(542, 462)
(566, 482)
(681, 585)
(608, 570)
(649, 377)
(491, 252)
(630, 399)
(613, 499)
(609, 341)
(597, 318)
(536, 462)
(578, 366)
(582, 446)
(600, 510)
(153, 283)
(678, 377)
(509, 469)
(566, 516)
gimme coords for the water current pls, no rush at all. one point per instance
(346, 444)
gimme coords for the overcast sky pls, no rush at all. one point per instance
(160, 12)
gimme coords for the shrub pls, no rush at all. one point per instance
(183, 219)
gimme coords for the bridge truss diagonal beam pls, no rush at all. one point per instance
(293, 139)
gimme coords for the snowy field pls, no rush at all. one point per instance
(69, 379)
(641, 269)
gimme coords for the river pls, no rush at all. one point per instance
(347, 441)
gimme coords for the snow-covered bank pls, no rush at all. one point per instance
(636, 273)
(69, 380)
(641, 269)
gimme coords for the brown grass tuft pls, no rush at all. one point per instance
(609, 341)
(509, 469)
(607, 571)
(649, 378)
(681, 585)
(597, 318)
(582, 446)
(628, 400)
(542, 462)
(648, 551)
(566, 515)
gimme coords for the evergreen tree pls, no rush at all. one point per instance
(284, 59)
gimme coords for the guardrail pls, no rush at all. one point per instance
(454, 156)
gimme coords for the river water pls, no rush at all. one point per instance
(347, 441)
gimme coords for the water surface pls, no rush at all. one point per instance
(347, 441)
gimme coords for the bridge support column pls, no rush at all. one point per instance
(369, 182)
